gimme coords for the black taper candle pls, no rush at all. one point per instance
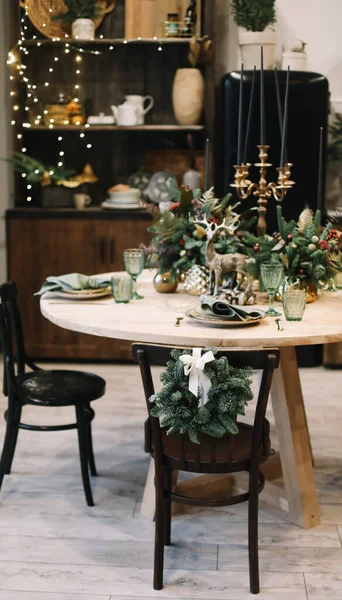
(239, 143)
(286, 110)
(262, 99)
(250, 110)
(207, 144)
(280, 109)
(320, 170)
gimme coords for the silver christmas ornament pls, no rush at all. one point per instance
(196, 280)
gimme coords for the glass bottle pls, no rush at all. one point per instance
(190, 19)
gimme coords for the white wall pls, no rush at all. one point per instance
(5, 173)
(317, 22)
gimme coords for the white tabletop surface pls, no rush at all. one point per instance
(153, 320)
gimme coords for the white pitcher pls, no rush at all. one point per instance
(127, 114)
(139, 102)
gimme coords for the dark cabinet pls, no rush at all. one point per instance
(39, 246)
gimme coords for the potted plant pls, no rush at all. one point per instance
(253, 17)
(81, 14)
(296, 58)
(57, 183)
(188, 85)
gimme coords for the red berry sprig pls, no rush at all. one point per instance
(290, 237)
(301, 271)
(324, 245)
(333, 234)
(256, 248)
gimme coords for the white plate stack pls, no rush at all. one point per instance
(125, 199)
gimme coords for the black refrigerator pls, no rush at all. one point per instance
(307, 111)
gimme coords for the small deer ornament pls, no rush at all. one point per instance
(220, 263)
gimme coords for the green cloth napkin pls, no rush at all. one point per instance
(221, 308)
(72, 281)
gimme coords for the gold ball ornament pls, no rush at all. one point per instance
(196, 280)
(312, 247)
(165, 283)
(315, 239)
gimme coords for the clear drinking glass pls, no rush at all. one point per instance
(121, 289)
(134, 259)
(272, 275)
(294, 303)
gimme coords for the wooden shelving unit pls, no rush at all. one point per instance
(106, 41)
(111, 69)
(170, 127)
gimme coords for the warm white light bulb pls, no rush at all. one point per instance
(28, 187)
(60, 138)
(16, 107)
(19, 136)
(23, 149)
(46, 83)
(82, 135)
(61, 153)
(60, 164)
(37, 171)
(23, 175)
(88, 145)
(28, 198)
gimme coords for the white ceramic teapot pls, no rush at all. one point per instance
(127, 114)
(139, 102)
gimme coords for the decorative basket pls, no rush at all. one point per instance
(40, 12)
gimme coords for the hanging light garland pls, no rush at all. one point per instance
(18, 68)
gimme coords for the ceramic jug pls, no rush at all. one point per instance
(139, 102)
(127, 114)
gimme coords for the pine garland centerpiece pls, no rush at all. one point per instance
(309, 251)
(222, 394)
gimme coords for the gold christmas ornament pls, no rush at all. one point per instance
(305, 219)
(165, 283)
(196, 280)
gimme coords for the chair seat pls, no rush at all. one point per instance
(229, 450)
(59, 388)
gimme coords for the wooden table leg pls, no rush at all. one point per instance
(294, 442)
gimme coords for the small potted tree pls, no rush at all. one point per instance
(296, 58)
(81, 14)
(253, 17)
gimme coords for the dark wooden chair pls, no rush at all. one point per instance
(43, 388)
(245, 451)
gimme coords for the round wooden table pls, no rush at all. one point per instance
(153, 320)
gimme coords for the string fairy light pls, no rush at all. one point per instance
(18, 68)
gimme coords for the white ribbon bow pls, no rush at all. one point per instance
(194, 368)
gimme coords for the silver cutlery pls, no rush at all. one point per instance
(279, 324)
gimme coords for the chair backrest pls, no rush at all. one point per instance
(11, 328)
(265, 360)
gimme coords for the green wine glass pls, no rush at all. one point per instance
(272, 275)
(134, 259)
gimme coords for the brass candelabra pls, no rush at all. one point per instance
(263, 190)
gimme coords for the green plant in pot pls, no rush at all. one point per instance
(57, 182)
(81, 14)
(254, 18)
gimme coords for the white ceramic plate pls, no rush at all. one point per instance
(214, 321)
(111, 206)
(83, 294)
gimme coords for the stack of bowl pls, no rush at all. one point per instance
(122, 197)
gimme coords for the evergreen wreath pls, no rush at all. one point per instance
(178, 409)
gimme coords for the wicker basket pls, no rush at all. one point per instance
(40, 12)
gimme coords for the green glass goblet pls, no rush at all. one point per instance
(272, 275)
(134, 259)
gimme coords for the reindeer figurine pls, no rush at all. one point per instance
(220, 263)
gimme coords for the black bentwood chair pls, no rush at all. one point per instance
(43, 388)
(245, 451)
